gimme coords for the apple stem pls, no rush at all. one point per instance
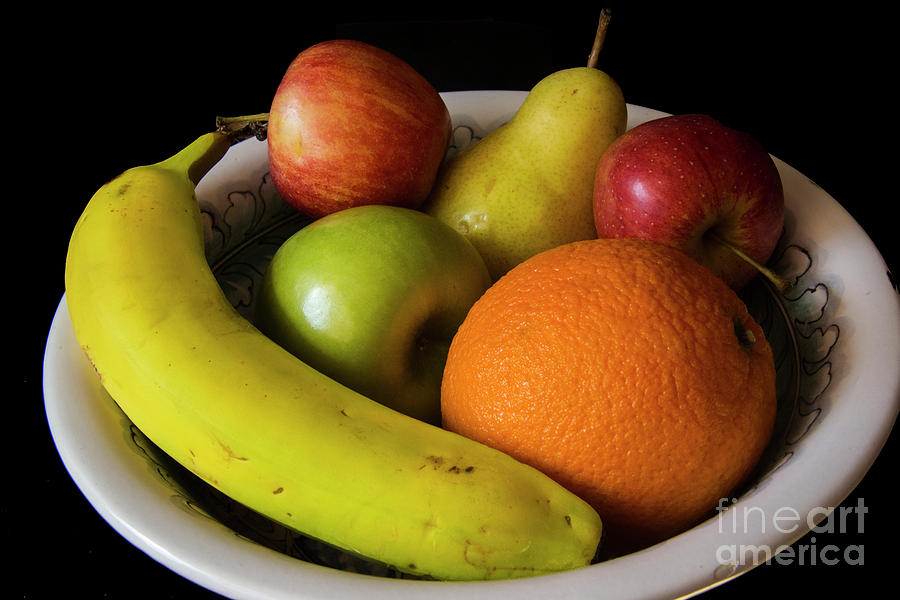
(781, 284)
(599, 38)
(243, 127)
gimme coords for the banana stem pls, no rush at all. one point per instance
(781, 284)
(243, 127)
(600, 37)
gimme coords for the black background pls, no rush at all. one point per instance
(91, 95)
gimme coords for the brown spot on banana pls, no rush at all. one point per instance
(229, 453)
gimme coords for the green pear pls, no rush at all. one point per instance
(527, 186)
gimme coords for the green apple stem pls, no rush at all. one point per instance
(244, 127)
(780, 283)
(599, 38)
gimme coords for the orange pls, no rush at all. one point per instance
(624, 370)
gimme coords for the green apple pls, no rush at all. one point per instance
(372, 296)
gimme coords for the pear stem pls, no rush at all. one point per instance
(600, 37)
(244, 127)
(781, 284)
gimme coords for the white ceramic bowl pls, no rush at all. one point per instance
(835, 343)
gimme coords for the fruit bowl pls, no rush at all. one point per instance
(841, 285)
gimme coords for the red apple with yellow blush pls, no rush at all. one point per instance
(690, 182)
(351, 124)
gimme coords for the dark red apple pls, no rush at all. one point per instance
(352, 124)
(690, 182)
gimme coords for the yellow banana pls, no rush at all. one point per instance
(272, 433)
